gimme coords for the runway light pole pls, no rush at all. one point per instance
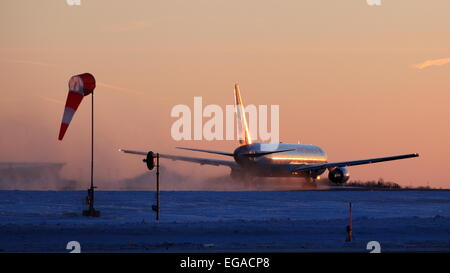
(150, 161)
(349, 227)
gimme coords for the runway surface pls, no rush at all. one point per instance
(193, 221)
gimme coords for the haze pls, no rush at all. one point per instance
(357, 80)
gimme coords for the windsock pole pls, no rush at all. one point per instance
(91, 207)
(80, 86)
(92, 211)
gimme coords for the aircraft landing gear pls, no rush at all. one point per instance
(312, 179)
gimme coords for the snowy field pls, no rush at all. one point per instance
(194, 221)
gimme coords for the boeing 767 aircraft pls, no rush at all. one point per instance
(275, 160)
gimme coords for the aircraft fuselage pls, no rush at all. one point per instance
(278, 164)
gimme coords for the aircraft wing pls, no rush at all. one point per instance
(313, 167)
(201, 161)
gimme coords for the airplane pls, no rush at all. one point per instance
(259, 159)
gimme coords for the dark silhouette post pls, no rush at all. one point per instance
(91, 211)
(157, 186)
(150, 161)
(349, 227)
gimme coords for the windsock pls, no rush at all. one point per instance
(79, 86)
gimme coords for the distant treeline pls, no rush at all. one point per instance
(386, 185)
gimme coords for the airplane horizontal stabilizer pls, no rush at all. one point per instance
(267, 153)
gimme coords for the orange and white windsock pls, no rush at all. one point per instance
(79, 86)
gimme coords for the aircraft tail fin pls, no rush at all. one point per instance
(244, 133)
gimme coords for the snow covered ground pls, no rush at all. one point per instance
(195, 221)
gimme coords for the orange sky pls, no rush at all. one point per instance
(358, 81)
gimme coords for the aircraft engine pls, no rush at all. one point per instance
(339, 175)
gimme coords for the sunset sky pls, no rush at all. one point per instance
(360, 81)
